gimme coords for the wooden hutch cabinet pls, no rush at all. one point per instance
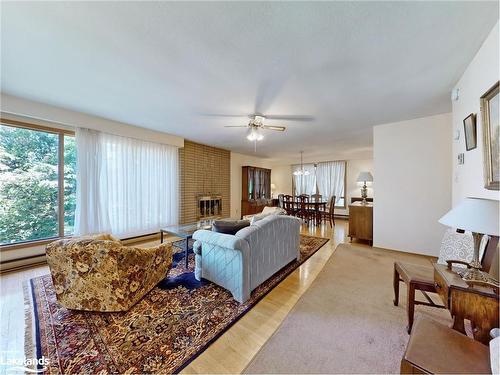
(256, 190)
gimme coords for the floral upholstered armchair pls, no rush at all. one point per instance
(100, 274)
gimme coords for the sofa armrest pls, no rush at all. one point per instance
(197, 247)
(223, 240)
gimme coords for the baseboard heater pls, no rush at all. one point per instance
(341, 216)
(39, 259)
(20, 263)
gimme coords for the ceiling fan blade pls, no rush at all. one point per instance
(236, 126)
(277, 128)
(269, 88)
(223, 115)
(290, 117)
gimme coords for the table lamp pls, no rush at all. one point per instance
(364, 177)
(480, 216)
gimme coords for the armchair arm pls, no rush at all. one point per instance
(223, 240)
(451, 262)
(152, 261)
(163, 250)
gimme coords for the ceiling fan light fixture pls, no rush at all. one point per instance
(254, 134)
(251, 135)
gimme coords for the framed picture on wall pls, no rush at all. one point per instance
(470, 132)
(490, 105)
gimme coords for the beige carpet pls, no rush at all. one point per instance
(346, 321)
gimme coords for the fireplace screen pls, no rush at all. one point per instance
(209, 206)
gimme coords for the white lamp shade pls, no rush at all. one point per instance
(273, 187)
(365, 177)
(474, 214)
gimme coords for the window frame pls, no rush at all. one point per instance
(60, 180)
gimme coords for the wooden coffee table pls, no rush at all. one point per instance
(185, 231)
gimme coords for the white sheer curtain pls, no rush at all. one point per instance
(304, 184)
(331, 178)
(125, 186)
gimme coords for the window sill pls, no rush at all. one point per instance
(125, 241)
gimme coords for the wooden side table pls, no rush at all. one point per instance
(361, 221)
(436, 349)
(478, 304)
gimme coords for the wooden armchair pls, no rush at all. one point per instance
(419, 277)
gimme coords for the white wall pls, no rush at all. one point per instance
(412, 173)
(238, 161)
(480, 75)
(60, 117)
(281, 176)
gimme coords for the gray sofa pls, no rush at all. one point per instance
(243, 261)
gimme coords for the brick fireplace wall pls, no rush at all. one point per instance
(203, 170)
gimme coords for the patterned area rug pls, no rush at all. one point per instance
(162, 333)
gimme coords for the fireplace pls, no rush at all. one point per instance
(209, 206)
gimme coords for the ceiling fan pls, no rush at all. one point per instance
(255, 126)
(256, 123)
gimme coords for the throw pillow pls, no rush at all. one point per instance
(229, 226)
(262, 215)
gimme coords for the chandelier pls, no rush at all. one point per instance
(301, 171)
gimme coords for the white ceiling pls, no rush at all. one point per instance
(162, 65)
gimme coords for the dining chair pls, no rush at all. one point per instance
(303, 211)
(288, 202)
(314, 208)
(281, 201)
(328, 215)
(316, 197)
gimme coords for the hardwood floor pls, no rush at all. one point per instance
(232, 351)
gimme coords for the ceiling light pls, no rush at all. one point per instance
(260, 136)
(301, 171)
(254, 134)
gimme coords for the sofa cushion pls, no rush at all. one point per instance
(229, 226)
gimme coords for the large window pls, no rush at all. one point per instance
(126, 186)
(325, 178)
(37, 182)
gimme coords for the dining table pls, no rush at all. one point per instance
(314, 206)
